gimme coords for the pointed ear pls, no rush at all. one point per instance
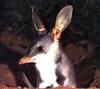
(62, 21)
(37, 22)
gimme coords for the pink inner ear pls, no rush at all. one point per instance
(41, 30)
(56, 33)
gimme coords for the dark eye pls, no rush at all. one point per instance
(40, 49)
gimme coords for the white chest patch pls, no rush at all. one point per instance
(47, 71)
(45, 63)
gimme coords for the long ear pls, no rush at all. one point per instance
(37, 23)
(62, 20)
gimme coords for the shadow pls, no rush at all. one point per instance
(10, 58)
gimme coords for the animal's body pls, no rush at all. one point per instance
(52, 63)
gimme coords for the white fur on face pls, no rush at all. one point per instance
(45, 63)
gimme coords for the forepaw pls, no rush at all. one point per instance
(44, 85)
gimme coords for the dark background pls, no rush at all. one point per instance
(81, 40)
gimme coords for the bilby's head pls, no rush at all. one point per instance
(45, 40)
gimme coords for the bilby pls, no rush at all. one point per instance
(53, 65)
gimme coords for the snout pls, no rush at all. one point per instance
(25, 59)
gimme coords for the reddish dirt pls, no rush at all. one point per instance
(45, 88)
